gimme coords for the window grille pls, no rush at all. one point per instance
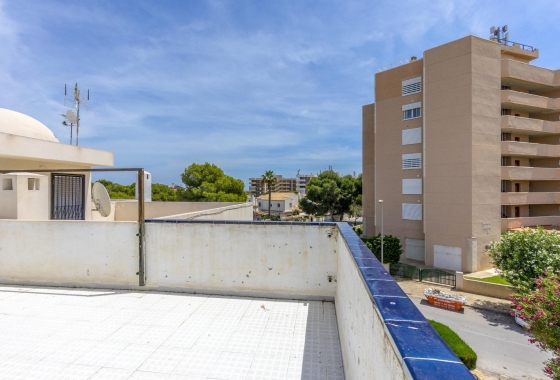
(412, 161)
(411, 86)
(67, 197)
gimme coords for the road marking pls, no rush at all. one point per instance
(493, 337)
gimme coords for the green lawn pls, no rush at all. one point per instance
(461, 349)
(497, 279)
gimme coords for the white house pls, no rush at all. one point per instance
(281, 203)
(27, 144)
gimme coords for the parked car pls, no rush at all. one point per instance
(520, 321)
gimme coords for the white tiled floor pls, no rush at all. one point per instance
(59, 333)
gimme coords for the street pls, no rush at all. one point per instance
(501, 345)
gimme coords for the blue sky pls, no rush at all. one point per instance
(247, 85)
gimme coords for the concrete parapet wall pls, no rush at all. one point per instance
(483, 288)
(128, 210)
(71, 253)
(257, 259)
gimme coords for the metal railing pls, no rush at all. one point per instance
(437, 276)
(511, 43)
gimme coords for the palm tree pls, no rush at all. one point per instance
(269, 179)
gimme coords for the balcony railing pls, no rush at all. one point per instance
(530, 198)
(524, 149)
(530, 221)
(525, 173)
(529, 102)
(528, 73)
(526, 125)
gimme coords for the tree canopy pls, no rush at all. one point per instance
(330, 193)
(523, 256)
(160, 192)
(208, 183)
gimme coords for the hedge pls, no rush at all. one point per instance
(458, 345)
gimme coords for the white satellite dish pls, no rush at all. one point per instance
(71, 116)
(101, 199)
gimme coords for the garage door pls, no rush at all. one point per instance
(414, 249)
(447, 257)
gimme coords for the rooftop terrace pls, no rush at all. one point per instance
(222, 300)
(61, 333)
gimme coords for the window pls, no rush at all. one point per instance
(504, 186)
(290, 205)
(7, 184)
(517, 139)
(412, 136)
(411, 114)
(411, 86)
(412, 186)
(259, 204)
(278, 205)
(412, 161)
(517, 163)
(411, 211)
(412, 111)
(506, 88)
(504, 161)
(504, 211)
(506, 112)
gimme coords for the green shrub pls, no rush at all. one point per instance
(392, 248)
(523, 256)
(358, 230)
(458, 345)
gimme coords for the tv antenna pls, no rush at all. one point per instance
(76, 101)
(499, 34)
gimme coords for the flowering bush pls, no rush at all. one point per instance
(523, 256)
(541, 309)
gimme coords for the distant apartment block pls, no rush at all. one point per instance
(462, 145)
(282, 185)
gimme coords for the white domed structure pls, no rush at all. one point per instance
(18, 124)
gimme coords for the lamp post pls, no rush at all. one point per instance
(381, 201)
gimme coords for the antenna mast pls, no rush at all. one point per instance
(499, 34)
(75, 102)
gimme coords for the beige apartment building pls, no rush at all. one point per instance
(282, 185)
(461, 145)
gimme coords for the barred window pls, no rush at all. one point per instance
(412, 161)
(411, 86)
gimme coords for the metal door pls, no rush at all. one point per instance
(67, 196)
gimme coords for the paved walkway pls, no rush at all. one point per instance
(58, 333)
(416, 289)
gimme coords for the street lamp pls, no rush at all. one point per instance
(381, 201)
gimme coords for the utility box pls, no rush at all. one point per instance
(24, 196)
(147, 187)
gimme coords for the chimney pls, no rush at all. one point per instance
(413, 58)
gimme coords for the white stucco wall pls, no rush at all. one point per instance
(367, 350)
(128, 210)
(68, 252)
(30, 164)
(238, 211)
(266, 260)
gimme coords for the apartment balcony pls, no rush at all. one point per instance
(530, 221)
(528, 102)
(524, 149)
(532, 78)
(524, 173)
(530, 198)
(527, 126)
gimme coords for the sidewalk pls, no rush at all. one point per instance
(416, 289)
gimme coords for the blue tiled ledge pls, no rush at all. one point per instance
(423, 351)
(251, 222)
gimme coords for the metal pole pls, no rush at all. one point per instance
(141, 230)
(381, 201)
